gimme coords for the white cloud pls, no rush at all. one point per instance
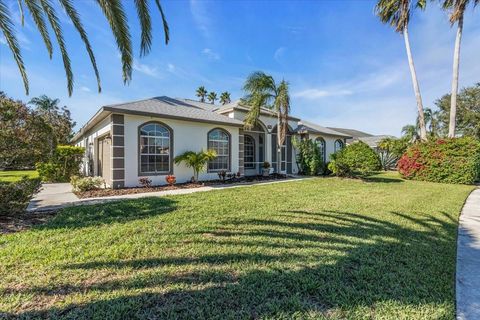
(200, 16)
(211, 54)
(318, 93)
(146, 69)
(279, 53)
(85, 89)
(171, 67)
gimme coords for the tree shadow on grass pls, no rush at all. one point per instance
(111, 212)
(383, 179)
(404, 260)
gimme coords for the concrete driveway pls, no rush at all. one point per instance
(52, 196)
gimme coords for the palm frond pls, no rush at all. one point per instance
(22, 16)
(54, 22)
(75, 18)
(6, 25)
(146, 26)
(166, 29)
(38, 17)
(115, 15)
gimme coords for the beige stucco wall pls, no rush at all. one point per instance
(329, 143)
(187, 136)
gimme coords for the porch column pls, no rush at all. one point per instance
(268, 148)
(118, 151)
(241, 167)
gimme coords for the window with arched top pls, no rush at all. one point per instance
(155, 154)
(249, 152)
(338, 145)
(322, 148)
(219, 141)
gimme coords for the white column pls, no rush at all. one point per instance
(268, 147)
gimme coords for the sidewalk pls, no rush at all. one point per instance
(468, 260)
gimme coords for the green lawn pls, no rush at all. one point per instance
(11, 176)
(321, 248)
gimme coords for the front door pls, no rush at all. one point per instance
(104, 169)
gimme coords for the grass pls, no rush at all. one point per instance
(323, 248)
(12, 176)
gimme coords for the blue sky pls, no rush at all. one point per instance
(345, 68)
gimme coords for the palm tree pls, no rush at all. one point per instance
(212, 97)
(410, 133)
(225, 98)
(45, 104)
(113, 10)
(262, 91)
(397, 14)
(457, 8)
(196, 160)
(201, 93)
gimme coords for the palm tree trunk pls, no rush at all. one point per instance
(416, 87)
(279, 147)
(456, 64)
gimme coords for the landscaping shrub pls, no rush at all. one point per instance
(309, 158)
(390, 150)
(62, 165)
(86, 183)
(14, 196)
(355, 159)
(455, 160)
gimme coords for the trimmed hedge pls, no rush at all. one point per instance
(355, 159)
(15, 196)
(62, 165)
(455, 160)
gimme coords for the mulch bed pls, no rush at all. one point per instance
(23, 221)
(118, 192)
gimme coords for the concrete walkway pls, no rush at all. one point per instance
(54, 196)
(468, 260)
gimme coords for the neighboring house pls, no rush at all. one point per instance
(127, 141)
(356, 135)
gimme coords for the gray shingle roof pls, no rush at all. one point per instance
(373, 140)
(173, 108)
(305, 126)
(352, 132)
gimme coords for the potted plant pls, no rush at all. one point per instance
(266, 169)
(170, 179)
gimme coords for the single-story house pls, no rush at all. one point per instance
(357, 135)
(127, 141)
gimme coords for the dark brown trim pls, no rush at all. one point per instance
(162, 173)
(118, 151)
(118, 184)
(229, 149)
(118, 129)
(165, 116)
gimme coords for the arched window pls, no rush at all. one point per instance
(155, 155)
(249, 152)
(338, 145)
(321, 146)
(219, 141)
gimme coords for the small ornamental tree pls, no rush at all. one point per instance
(453, 160)
(355, 159)
(196, 160)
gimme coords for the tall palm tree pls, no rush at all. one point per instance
(261, 90)
(225, 98)
(113, 10)
(45, 103)
(397, 14)
(457, 8)
(201, 93)
(212, 97)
